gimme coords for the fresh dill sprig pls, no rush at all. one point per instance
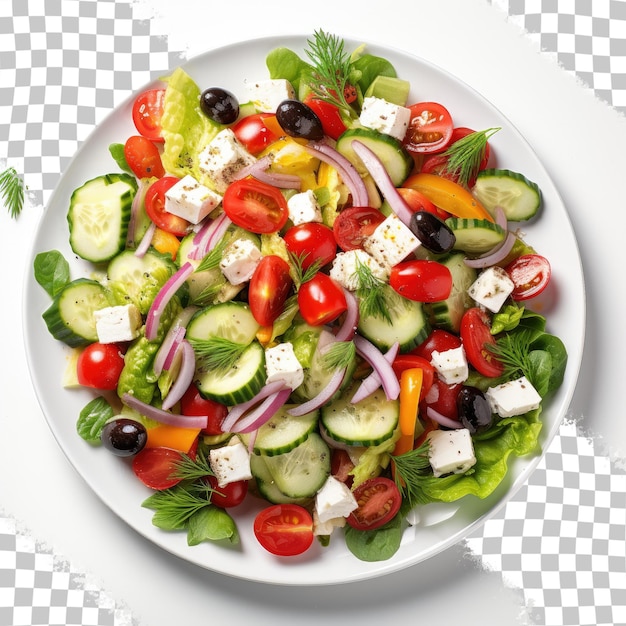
(173, 507)
(299, 273)
(410, 470)
(512, 352)
(217, 353)
(371, 293)
(192, 469)
(466, 154)
(331, 69)
(12, 191)
(213, 258)
(339, 355)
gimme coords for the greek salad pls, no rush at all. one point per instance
(314, 293)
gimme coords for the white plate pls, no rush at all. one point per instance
(441, 525)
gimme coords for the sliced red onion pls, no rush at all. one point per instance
(146, 240)
(377, 360)
(443, 420)
(163, 297)
(347, 171)
(348, 327)
(249, 170)
(237, 411)
(164, 417)
(208, 236)
(382, 179)
(494, 257)
(372, 382)
(322, 397)
(258, 170)
(173, 337)
(184, 376)
(261, 414)
(135, 209)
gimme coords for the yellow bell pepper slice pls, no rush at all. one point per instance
(410, 389)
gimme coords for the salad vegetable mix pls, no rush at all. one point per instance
(312, 294)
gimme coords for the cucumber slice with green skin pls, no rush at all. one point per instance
(283, 432)
(369, 422)
(475, 236)
(237, 384)
(301, 472)
(99, 214)
(70, 317)
(229, 320)
(388, 149)
(266, 485)
(447, 313)
(138, 279)
(519, 198)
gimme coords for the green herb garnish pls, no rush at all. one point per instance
(217, 353)
(299, 274)
(12, 191)
(340, 355)
(372, 293)
(466, 154)
(174, 506)
(189, 468)
(513, 352)
(411, 468)
(213, 258)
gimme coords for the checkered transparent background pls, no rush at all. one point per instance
(64, 64)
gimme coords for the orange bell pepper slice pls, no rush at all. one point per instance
(165, 242)
(410, 389)
(448, 195)
(175, 437)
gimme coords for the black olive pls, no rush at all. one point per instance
(474, 409)
(124, 437)
(220, 105)
(434, 233)
(299, 120)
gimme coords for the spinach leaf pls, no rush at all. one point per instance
(92, 419)
(284, 63)
(211, 523)
(370, 67)
(52, 271)
(375, 545)
(117, 152)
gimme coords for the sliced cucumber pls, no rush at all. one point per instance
(99, 214)
(388, 149)
(283, 432)
(301, 472)
(266, 485)
(519, 198)
(70, 317)
(366, 423)
(230, 320)
(447, 313)
(475, 236)
(409, 325)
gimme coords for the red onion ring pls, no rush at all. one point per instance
(322, 397)
(164, 417)
(372, 382)
(208, 236)
(377, 360)
(348, 327)
(184, 377)
(260, 415)
(442, 419)
(237, 411)
(258, 170)
(146, 240)
(494, 257)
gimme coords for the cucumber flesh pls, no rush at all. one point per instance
(266, 485)
(475, 236)
(230, 320)
(283, 432)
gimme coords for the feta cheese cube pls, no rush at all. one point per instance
(345, 265)
(451, 365)
(281, 363)
(191, 200)
(230, 463)
(491, 289)
(266, 95)
(333, 500)
(514, 397)
(240, 261)
(326, 528)
(117, 323)
(451, 451)
(223, 158)
(303, 208)
(391, 242)
(385, 117)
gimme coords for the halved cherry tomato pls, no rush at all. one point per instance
(257, 131)
(255, 206)
(379, 501)
(312, 242)
(99, 366)
(321, 300)
(284, 529)
(531, 274)
(430, 128)
(155, 467)
(421, 280)
(155, 207)
(353, 224)
(442, 398)
(193, 403)
(147, 113)
(269, 288)
(232, 494)
(476, 336)
(329, 115)
(417, 201)
(409, 361)
(143, 157)
(440, 340)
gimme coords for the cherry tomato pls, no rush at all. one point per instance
(143, 157)
(284, 529)
(321, 300)
(417, 201)
(341, 465)
(329, 115)
(100, 365)
(229, 495)
(440, 340)
(421, 280)
(155, 467)
(193, 403)
(269, 288)
(476, 336)
(255, 206)
(531, 274)
(352, 225)
(379, 501)
(147, 113)
(311, 242)
(256, 132)
(430, 128)
(155, 207)
(442, 398)
(408, 361)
